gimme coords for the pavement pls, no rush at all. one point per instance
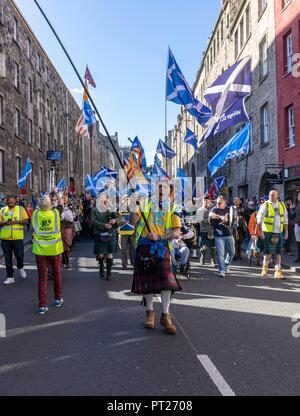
(235, 335)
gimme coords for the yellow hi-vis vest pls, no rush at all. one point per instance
(15, 232)
(269, 220)
(47, 239)
(141, 225)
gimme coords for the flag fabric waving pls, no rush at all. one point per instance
(25, 172)
(138, 149)
(165, 150)
(216, 187)
(191, 138)
(89, 185)
(62, 185)
(227, 97)
(110, 173)
(159, 172)
(81, 128)
(157, 161)
(89, 116)
(88, 77)
(237, 146)
(179, 92)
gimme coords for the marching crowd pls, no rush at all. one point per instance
(158, 243)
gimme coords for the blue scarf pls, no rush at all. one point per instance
(158, 247)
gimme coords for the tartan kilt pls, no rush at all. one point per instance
(162, 279)
(204, 241)
(268, 247)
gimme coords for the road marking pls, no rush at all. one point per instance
(215, 375)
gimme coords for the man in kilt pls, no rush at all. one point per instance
(272, 220)
(153, 272)
(206, 235)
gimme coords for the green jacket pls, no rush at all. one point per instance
(99, 219)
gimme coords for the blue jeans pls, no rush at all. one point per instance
(224, 245)
(10, 247)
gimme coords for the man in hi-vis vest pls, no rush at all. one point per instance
(47, 247)
(12, 221)
(272, 220)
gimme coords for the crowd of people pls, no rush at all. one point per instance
(159, 243)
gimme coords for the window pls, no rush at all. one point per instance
(16, 30)
(291, 126)
(262, 4)
(38, 62)
(263, 58)
(18, 122)
(2, 165)
(1, 110)
(39, 101)
(242, 33)
(236, 43)
(48, 142)
(222, 30)
(41, 181)
(264, 124)
(28, 49)
(48, 109)
(289, 52)
(40, 138)
(30, 90)
(19, 168)
(30, 132)
(248, 23)
(17, 76)
(1, 12)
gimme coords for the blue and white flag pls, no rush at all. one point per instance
(227, 98)
(179, 92)
(89, 185)
(25, 172)
(237, 146)
(160, 172)
(157, 161)
(165, 150)
(62, 185)
(100, 175)
(110, 173)
(191, 138)
(138, 149)
(89, 117)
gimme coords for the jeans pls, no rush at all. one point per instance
(184, 254)
(10, 247)
(224, 245)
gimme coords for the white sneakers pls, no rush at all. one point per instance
(23, 273)
(9, 281)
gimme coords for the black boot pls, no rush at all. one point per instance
(101, 271)
(298, 259)
(109, 264)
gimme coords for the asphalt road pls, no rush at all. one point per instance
(238, 330)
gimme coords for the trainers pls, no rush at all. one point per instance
(222, 275)
(150, 320)
(227, 270)
(9, 281)
(42, 311)
(23, 273)
(167, 323)
(279, 274)
(58, 303)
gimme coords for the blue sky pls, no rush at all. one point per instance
(125, 43)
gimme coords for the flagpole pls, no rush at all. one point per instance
(82, 83)
(166, 109)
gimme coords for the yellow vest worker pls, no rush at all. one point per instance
(47, 239)
(15, 231)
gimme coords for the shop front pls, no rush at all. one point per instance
(292, 182)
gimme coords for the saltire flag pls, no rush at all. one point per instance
(25, 172)
(179, 92)
(89, 185)
(88, 77)
(216, 187)
(62, 185)
(191, 138)
(157, 161)
(160, 172)
(138, 149)
(100, 175)
(227, 97)
(110, 173)
(165, 150)
(237, 146)
(81, 128)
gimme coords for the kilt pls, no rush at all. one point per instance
(67, 238)
(204, 241)
(269, 248)
(109, 247)
(162, 279)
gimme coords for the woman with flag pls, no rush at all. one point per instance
(157, 226)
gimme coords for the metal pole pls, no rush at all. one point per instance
(68, 143)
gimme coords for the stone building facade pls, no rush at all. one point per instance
(38, 113)
(243, 28)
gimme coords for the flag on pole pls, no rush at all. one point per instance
(100, 175)
(160, 172)
(237, 146)
(227, 97)
(62, 185)
(165, 150)
(110, 173)
(138, 149)
(88, 77)
(216, 187)
(88, 113)
(81, 128)
(89, 185)
(179, 92)
(25, 172)
(191, 138)
(157, 161)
